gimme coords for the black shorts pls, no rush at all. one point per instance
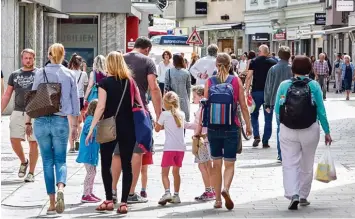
(81, 100)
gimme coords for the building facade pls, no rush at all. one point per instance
(283, 22)
(225, 25)
(86, 27)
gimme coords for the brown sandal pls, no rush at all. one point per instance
(106, 206)
(122, 209)
(229, 203)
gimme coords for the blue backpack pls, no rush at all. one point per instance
(220, 108)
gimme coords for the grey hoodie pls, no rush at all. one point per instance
(277, 74)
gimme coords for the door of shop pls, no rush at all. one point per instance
(225, 45)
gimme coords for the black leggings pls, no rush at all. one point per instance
(126, 147)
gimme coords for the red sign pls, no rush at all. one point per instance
(194, 39)
(280, 34)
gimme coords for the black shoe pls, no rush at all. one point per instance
(294, 203)
(337, 92)
(256, 142)
(266, 146)
(353, 91)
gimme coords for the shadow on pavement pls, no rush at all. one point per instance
(9, 183)
(326, 203)
(266, 165)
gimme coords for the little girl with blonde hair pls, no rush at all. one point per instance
(172, 121)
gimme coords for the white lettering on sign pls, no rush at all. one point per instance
(78, 38)
(130, 45)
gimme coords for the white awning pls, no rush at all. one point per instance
(332, 31)
(217, 27)
(147, 7)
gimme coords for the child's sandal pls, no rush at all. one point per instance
(217, 204)
(105, 206)
(122, 209)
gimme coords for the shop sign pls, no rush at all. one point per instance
(200, 7)
(345, 6)
(320, 18)
(280, 34)
(261, 37)
(291, 33)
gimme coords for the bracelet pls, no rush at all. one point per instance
(28, 123)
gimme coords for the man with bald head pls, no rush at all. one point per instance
(321, 71)
(258, 71)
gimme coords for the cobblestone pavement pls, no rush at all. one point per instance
(257, 187)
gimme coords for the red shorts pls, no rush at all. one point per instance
(172, 159)
(147, 159)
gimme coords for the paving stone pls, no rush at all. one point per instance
(257, 188)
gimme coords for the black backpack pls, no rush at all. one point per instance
(298, 111)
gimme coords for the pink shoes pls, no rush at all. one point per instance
(89, 199)
(206, 196)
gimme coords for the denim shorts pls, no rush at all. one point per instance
(224, 142)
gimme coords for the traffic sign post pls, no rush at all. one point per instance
(194, 39)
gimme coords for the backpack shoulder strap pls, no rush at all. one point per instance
(229, 79)
(214, 80)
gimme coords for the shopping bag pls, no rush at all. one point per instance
(326, 169)
(251, 104)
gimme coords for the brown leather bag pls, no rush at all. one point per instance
(45, 100)
(106, 128)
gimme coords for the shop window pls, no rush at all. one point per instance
(79, 34)
(253, 2)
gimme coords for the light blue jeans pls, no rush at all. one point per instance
(52, 133)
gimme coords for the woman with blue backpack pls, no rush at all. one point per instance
(223, 92)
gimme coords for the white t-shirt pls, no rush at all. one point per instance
(174, 136)
(242, 65)
(162, 69)
(84, 80)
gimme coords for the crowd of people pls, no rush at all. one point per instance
(219, 83)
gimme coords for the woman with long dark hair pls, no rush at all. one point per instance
(82, 81)
(178, 79)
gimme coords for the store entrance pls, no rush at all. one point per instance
(225, 45)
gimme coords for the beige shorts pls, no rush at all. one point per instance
(18, 127)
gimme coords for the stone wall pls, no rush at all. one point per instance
(113, 32)
(9, 41)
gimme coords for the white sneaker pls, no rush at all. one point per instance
(175, 199)
(23, 169)
(165, 199)
(30, 178)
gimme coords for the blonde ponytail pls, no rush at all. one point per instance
(171, 102)
(223, 62)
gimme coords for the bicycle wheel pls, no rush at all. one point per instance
(243, 127)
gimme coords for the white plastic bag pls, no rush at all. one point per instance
(326, 169)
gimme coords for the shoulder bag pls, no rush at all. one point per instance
(106, 128)
(142, 120)
(45, 100)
